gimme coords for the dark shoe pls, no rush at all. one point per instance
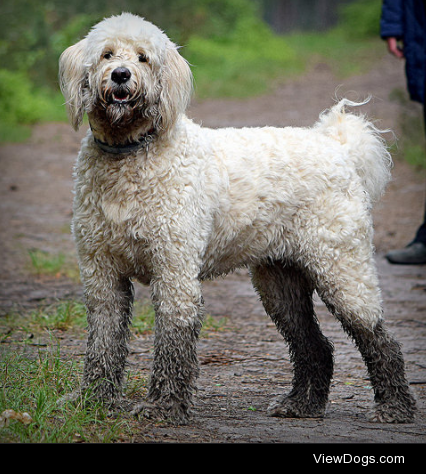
(413, 254)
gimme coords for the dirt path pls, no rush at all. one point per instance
(242, 368)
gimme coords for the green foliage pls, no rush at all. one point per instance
(232, 50)
(350, 47)
(244, 63)
(23, 104)
(360, 19)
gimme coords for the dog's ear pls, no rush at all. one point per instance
(72, 77)
(176, 90)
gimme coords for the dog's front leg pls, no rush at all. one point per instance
(178, 319)
(109, 299)
(109, 303)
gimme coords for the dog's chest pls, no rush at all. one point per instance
(123, 192)
(134, 210)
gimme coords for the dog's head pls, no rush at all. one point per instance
(125, 73)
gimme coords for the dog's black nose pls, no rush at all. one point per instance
(120, 75)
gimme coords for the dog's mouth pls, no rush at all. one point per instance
(121, 96)
(120, 102)
(117, 96)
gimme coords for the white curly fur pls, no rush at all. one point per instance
(195, 202)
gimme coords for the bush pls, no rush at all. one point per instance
(23, 104)
(243, 63)
(361, 19)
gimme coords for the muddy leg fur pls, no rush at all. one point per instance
(174, 372)
(108, 317)
(358, 308)
(287, 297)
(385, 364)
(175, 364)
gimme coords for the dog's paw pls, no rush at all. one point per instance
(84, 396)
(145, 409)
(287, 407)
(153, 411)
(390, 413)
(71, 397)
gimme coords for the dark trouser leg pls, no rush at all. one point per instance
(415, 252)
(421, 231)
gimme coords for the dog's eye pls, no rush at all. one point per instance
(143, 58)
(107, 55)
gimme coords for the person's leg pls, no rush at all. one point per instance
(415, 252)
(421, 232)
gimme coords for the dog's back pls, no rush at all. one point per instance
(270, 183)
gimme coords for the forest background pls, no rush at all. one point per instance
(237, 48)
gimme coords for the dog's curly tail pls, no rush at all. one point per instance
(366, 145)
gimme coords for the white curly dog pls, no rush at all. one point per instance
(167, 202)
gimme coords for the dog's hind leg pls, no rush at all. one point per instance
(348, 286)
(384, 360)
(286, 294)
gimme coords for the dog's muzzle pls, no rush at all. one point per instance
(120, 92)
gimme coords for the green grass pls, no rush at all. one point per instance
(411, 145)
(33, 386)
(32, 380)
(144, 321)
(250, 62)
(415, 155)
(42, 263)
(62, 315)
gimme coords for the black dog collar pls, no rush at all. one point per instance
(142, 143)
